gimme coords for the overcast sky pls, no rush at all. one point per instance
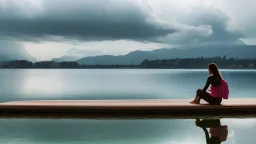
(54, 28)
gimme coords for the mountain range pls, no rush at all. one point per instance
(65, 58)
(136, 57)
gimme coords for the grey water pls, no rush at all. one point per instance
(59, 84)
(16, 85)
(137, 131)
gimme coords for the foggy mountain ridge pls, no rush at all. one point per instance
(136, 57)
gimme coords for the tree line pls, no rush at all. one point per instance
(222, 62)
(178, 63)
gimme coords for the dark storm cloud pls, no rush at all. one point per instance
(11, 50)
(79, 19)
(111, 20)
(82, 29)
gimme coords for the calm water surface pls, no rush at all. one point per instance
(28, 131)
(117, 84)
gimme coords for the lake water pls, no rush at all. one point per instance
(157, 131)
(117, 84)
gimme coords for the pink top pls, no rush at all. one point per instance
(221, 91)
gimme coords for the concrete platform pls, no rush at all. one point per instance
(127, 109)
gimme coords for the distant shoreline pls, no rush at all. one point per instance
(184, 63)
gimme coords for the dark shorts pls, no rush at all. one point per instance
(209, 98)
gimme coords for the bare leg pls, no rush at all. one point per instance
(195, 100)
(197, 97)
(198, 100)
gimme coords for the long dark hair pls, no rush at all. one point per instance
(215, 70)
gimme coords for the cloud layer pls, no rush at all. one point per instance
(205, 25)
(111, 20)
(78, 19)
(10, 50)
(127, 24)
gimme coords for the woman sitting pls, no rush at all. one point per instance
(218, 91)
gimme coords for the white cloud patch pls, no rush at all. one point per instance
(200, 23)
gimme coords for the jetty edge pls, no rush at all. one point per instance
(146, 108)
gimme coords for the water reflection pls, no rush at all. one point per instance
(135, 131)
(217, 133)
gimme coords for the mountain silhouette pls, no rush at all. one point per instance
(191, 51)
(65, 58)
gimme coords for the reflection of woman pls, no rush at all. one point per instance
(218, 132)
